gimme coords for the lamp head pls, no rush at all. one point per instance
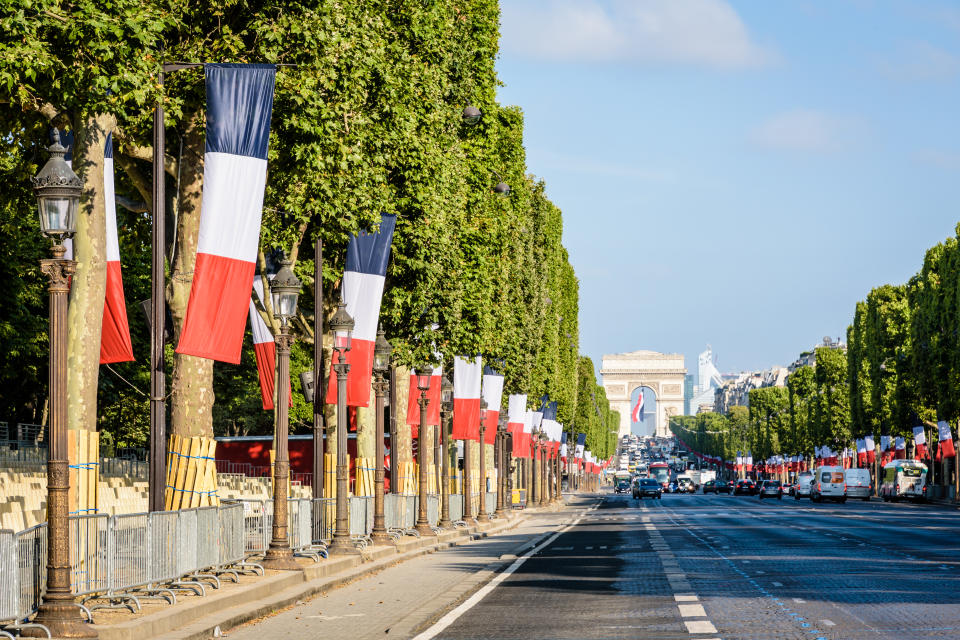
(284, 292)
(342, 327)
(58, 190)
(382, 350)
(471, 115)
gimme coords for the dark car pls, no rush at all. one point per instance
(686, 485)
(710, 486)
(745, 487)
(771, 489)
(724, 487)
(647, 487)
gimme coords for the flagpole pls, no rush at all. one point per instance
(158, 423)
(320, 389)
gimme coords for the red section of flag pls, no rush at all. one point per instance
(219, 298)
(266, 353)
(466, 419)
(360, 359)
(413, 404)
(490, 433)
(115, 343)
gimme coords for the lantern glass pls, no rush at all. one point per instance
(284, 304)
(58, 215)
(446, 391)
(342, 327)
(381, 353)
(423, 378)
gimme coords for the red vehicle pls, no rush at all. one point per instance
(660, 471)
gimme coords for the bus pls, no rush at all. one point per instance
(660, 471)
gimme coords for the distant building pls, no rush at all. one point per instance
(688, 388)
(656, 377)
(809, 358)
(708, 381)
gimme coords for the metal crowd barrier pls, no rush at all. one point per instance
(324, 519)
(456, 508)
(491, 502)
(433, 509)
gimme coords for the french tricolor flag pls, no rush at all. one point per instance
(516, 408)
(367, 257)
(493, 394)
(264, 347)
(467, 379)
(115, 343)
(528, 420)
(433, 395)
(239, 105)
(947, 450)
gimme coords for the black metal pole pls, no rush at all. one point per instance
(394, 481)
(158, 418)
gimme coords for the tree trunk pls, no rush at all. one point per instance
(404, 448)
(89, 283)
(191, 403)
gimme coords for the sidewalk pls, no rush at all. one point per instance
(198, 617)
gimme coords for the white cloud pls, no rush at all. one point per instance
(806, 130)
(921, 61)
(692, 32)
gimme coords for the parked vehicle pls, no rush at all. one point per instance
(647, 487)
(858, 483)
(745, 487)
(828, 483)
(904, 479)
(803, 486)
(770, 489)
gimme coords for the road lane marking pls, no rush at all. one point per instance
(692, 611)
(778, 584)
(799, 600)
(680, 598)
(699, 626)
(828, 623)
(563, 548)
(473, 600)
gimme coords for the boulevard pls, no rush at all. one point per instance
(689, 566)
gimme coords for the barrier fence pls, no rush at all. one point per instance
(115, 560)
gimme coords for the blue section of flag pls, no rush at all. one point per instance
(108, 148)
(370, 252)
(490, 371)
(239, 106)
(581, 439)
(563, 438)
(550, 411)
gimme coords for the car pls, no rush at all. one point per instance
(686, 485)
(828, 483)
(745, 487)
(710, 486)
(647, 487)
(859, 484)
(803, 485)
(724, 487)
(770, 489)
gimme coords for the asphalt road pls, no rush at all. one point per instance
(731, 567)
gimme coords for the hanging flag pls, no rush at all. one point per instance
(901, 448)
(467, 376)
(861, 451)
(528, 422)
(516, 408)
(434, 395)
(947, 449)
(920, 440)
(492, 388)
(638, 408)
(239, 105)
(264, 347)
(871, 448)
(581, 442)
(115, 345)
(362, 287)
(885, 442)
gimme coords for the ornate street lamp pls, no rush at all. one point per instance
(382, 351)
(482, 515)
(544, 485)
(423, 385)
(446, 394)
(58, 190)
(342, 327)
(500, 458)
(284, 293)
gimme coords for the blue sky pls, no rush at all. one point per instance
(737, 173)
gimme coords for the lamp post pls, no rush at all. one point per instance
(468, 483)
(342, 327)
(508, 453)
(500, 456)
(482, 515)
(423, 384)
(532, 492)
(543, 469)
(447, 407)
(381, 366)
(284, 291)
(58, 195)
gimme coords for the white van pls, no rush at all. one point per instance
(904, 479)
(858, 483)
(828, 482)
(804, 486)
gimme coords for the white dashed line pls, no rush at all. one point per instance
(778, 584)
(799, 600)
(700, 626)
(692, 611)
(828, 623)
(680, 598)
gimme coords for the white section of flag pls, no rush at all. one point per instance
(467, 377)
(362, 293)
(516, 407)
(232, 188)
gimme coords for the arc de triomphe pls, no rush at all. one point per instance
(664, 373)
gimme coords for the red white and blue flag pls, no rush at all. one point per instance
(947, 449)
(239, 106)
(516, 409)
(264, 347)
(871, 448)
(638, 408)
(493, 394)
(920, 440)
(467, 381)
(368, 255)
(115, 345)
(433, 407)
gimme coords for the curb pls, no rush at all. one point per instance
(275, 592)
